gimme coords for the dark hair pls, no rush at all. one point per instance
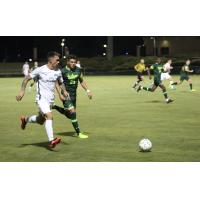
(51, 54)
(72, 57)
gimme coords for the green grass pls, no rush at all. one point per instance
(115, 120)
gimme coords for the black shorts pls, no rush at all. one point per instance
(139, 75)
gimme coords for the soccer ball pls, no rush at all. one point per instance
(145, 145)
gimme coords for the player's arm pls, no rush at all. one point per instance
(136, 67)
(85, 87)
(60, 87)
(23, 88)
(148, 69)
(188, 70)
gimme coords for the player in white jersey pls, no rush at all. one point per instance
(48, 76)
(25, 69)
(78, 64)
(166, 74)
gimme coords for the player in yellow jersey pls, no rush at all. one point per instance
(140, 68)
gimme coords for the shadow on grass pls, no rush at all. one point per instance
(154, 101)
(69, 134)
(41, 144)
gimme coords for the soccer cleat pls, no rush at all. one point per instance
(139, 88)
(81, 135)
(23, 122)
(53, 143)
(169, 101)
(193, 90)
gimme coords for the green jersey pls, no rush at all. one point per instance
(71, 78)
(157, 70)
(183, 70)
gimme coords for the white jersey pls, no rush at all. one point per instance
(78, 65)
(25, 69)
(167, 68)
(46, 82)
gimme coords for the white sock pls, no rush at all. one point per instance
(31, 119)
(171, 82)
(49, 129)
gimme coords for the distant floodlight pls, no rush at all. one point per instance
(64, 56)
(62, 44)
(30, 60)
(63, 40)
(105, 45)
(104, 54)
(126, 53)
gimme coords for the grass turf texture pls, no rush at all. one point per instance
(115, 120)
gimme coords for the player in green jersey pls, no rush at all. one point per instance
(72, 75)
(184, 75)
(157, 70)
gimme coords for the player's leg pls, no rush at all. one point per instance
(150, 89)
(190, 84)
(45, 109)
(165, 93)
(39, 119)
(70, 107)
(139, 79)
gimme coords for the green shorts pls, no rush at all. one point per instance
(70, 103)
(184, 77)
(157, 81)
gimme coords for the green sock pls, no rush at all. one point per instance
(75, 122)
(190, 86)
(165, 94)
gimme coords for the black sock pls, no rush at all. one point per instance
(175, 83)
(75, 122)
(190, 86)
(165, 93)
(59, 109)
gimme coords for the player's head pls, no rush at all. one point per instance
(142, 61)
(35, 63)
(53, 58)
(158, 60)
(188, 62)
(169, 61)
(71, 61)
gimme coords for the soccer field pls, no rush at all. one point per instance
(115, 120)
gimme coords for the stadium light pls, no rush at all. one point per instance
(154, 45)
(104, 54)
(62, 46)
(105, 45)
(64, 56)
(30, 60)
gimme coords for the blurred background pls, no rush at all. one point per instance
(98, 54)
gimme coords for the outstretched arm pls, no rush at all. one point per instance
(23, 88)
(85, 87)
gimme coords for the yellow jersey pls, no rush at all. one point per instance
(140, 67)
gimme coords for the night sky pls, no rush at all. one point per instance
(15, 48)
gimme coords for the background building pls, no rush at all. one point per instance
(172, 46)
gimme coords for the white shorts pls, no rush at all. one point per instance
(165, 76)
(44, 106)
(25, 72)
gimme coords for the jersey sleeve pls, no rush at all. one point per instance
(35, 73)
(60, 78)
